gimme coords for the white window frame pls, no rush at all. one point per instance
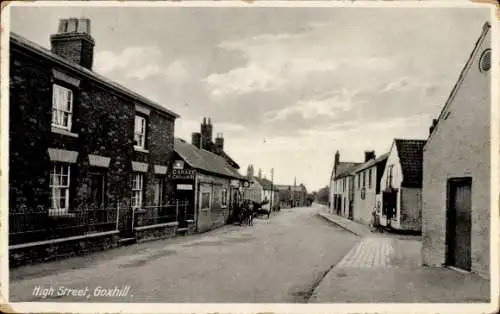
(137, 190)
(209, 199)
(140, 132)
(60, 110)
(56, 183)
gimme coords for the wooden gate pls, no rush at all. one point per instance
(458, 223)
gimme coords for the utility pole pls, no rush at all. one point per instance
(294, 190)
(272, 190)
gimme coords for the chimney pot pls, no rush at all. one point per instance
(74, 42)
(369, 154)
(196, 140)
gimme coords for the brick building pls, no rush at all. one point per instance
(292, 195)
(457, 170)
(86, 154)
(205, 179)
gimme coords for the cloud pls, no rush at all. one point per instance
(334, 104)
(139, 63)
(131, 59)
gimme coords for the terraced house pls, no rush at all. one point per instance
(88, 157)
(367, 186)
(207, 180)
(342, 187)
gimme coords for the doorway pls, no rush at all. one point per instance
(458, 223)
(97, 188)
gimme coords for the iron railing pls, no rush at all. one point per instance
(160, 214)
(33, 225)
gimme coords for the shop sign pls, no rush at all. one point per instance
(235, 183)
(178, 164)
(185, 187)
(178, 174)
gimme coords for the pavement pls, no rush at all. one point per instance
(386, 268)
(282, 260)
(300, 255)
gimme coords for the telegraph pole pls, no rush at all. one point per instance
(272, 190)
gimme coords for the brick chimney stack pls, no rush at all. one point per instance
(74, 42)
(250, 172)
(369, 154)
(206, 133)
(196, 139)
(219, 142)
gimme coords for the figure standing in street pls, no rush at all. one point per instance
(375, 225)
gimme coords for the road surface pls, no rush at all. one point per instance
(282, 259)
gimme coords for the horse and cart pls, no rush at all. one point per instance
(247, 210)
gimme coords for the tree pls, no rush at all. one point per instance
(322, 195)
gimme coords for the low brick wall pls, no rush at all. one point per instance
(46, 251)
(151, 233)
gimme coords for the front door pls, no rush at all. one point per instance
(98, 189)
(458, 226)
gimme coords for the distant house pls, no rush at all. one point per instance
(342, 187)
(285, 192)
(207, 181)
(401, 185)
(292, 195)
(457, 164)
(269, 193)
(299, 195)
(367, 178)
(253, 191)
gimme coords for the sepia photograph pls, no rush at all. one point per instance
(266, 156)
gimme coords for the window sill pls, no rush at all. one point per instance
(140, 149)
(63, 132)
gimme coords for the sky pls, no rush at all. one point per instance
(287, 87)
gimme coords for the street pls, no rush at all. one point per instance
(278, 260)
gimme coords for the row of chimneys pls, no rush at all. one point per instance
(203, 139)
(250, 172)
(369, 155)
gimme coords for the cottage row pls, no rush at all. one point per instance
(439, 186)
(93, 164)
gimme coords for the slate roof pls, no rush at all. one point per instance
(346, 168)
(411, 156)
(266, 184)
(372, 162)
(297, 188)
(204, 160)
(20, 41)
(213, 148)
